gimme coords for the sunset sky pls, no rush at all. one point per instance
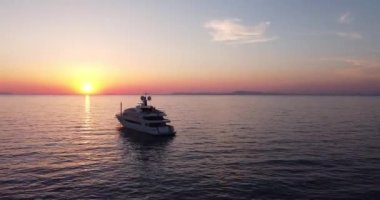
(297, 46)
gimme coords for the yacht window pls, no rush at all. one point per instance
(131, 121)
(157, 124)
(154, 118)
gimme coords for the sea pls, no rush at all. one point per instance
(226, 147)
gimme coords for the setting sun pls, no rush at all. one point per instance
(87, 88)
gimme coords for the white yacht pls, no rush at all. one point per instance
(145, 118)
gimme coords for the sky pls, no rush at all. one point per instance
(133, 47)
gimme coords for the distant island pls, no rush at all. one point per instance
(223, 93)
(242, 92)
(6, 93)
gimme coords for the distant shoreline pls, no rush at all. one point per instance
(234, 93)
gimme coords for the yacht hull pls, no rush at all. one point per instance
(158, 131)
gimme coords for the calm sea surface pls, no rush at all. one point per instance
(226, 147)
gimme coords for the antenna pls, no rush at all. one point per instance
(121, 108)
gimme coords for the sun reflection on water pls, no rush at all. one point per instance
(87, 114)
(87, 104)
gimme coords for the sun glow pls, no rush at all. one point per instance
(87, 88)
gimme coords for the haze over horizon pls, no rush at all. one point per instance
(132, 47)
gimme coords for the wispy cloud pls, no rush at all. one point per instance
(345, 18)
(231, 30)
(355, 62)
(341, 34)
(349, 62)
(349, 35)
(364, 67)
(356, 67)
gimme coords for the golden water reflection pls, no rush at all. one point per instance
(87, 114)
(87, 103)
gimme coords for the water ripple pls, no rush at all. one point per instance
(250, 147)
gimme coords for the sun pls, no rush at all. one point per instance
(87, 88)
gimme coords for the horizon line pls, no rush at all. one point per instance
(232, 93)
